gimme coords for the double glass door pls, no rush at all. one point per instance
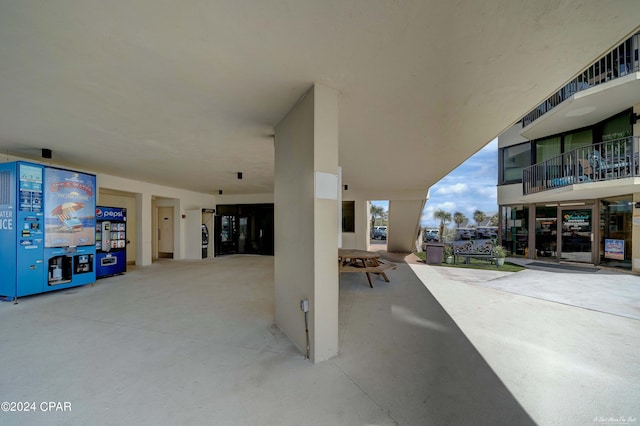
(244, 229)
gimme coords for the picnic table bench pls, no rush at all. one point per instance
(363, 261)
(469, 250)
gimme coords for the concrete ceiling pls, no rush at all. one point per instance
(187, 93)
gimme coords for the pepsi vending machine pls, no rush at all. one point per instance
(111, 241)
(47, 223)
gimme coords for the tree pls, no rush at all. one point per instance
(479, 217)
(443, 217)
(494, 220)
(376, 211)
(459, 218)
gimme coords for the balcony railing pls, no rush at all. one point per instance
(617, 63)
(608, 160)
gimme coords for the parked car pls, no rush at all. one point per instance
(430, 235)
(379, 232)
(489, 232)
(465, 233)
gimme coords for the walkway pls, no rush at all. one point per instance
(565, 344)
(194, 343)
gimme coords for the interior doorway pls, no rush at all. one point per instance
(378, 225)
(165, 232)
(207, 229)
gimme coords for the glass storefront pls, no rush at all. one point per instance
(616, 221)
(600, 233)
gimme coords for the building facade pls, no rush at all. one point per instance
(569, 176)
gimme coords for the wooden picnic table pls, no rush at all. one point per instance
(351, 260)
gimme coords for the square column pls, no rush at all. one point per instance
(307, 223)
(144, 229)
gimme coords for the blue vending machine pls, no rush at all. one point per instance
(111, 241)
(22, 268)
(70, 224)
(47, 229)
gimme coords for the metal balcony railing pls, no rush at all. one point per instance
(617, 63)
(608, 160)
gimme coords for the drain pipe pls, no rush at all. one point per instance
(304, 307)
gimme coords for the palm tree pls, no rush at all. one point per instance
(376, 211)
(443, 217)
(479, 217)
(459, 218)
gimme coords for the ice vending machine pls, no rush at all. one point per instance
(111, 241)
(47, 224)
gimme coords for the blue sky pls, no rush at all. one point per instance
(470, 187)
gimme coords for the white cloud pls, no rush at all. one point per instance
(458, 188)
(447, 205)
(488, 191)
(470, 187)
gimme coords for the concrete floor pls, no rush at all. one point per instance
(194, 343)
(565, 344)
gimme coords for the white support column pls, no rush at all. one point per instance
(635, 230)
(306, 220)
(366, 232)
(144, 230)
(404, 221)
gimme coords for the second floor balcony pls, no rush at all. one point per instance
(607, 160)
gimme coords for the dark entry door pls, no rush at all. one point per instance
(244, 229)
(255, 230)
(265, 230)
(217, 225)
(225, 234)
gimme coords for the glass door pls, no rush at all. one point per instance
(616, 231)
(244, 236)
(546, 231)
(577, 235)
(224, 235)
